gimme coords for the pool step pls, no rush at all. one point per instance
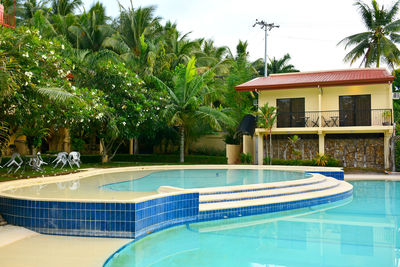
(258, 187)
(329, 187)
(268, 192)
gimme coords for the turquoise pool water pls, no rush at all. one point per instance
(204, 178)
(364, 231)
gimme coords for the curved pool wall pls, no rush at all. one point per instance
(138, 217)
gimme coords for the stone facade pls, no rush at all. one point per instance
(352, 150)
(361, 150)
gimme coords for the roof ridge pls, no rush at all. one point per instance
(326, 71)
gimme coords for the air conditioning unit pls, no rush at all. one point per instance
(396, 95)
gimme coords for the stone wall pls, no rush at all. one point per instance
(356, 150)
(282, 148)
(352, 150)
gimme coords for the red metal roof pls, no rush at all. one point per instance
(320, 78)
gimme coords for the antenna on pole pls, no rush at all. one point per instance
(266, 27)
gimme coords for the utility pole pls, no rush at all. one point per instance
(266, 27)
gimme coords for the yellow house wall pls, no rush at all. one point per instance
(381, 96)
(310, 95)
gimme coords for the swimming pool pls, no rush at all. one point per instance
(200, 178)
(364, 231)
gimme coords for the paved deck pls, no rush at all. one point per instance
(20, 247)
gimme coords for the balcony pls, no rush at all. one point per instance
(6, 20)
(335, 118)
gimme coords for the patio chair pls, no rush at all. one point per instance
(36, 162)
(62, 157)
(14, 163)
(74, 158)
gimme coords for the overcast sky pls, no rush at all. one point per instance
(309, 29)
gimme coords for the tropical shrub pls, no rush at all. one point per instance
(246, 158)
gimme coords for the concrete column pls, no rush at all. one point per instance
(131, 146)
(321, 143)
(260, 148)
(386, 150)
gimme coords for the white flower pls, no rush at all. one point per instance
(28, 31)
(25, 54)
(28, 74)
(123, 123)
(129, 84)
(26, 83)
(81, 120)
(52, 52)
(73, 87)
(62, 47)
(113, 86)
(99, 116)
(44, 57)
(51, 42)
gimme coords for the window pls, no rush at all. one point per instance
(290, 112)
(355, 110)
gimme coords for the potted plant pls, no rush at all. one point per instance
(232, 147)
(387, 116)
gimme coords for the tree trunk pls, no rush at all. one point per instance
(182, 146)
(136, 146)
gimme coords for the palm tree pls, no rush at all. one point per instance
(31, 6)
(379, 41)
(64, 7)
(275, 65)
(91, 29)
(185, 105)
(267, 119)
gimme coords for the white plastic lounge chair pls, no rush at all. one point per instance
(13, 162)
(62, 157)
(74, 158)
(36, 162)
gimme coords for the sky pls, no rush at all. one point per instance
(309, 30)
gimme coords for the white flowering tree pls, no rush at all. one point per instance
(37, 83)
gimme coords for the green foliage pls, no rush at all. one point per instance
(298, 162)
(293, 143)
(194, 159)
(78, 144)
(379, 41)
(321, 160)
(246, 158)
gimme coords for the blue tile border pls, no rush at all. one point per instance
(334, 174)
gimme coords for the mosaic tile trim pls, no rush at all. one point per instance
(254, 210)
(334, 174)
(128, 220)
(269, 196)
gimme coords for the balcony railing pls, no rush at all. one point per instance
(335, 118)
(6, 20)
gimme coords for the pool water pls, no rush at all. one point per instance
(204, 178)
(364, 231)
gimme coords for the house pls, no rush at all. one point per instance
(346, 114)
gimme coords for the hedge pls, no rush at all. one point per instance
(170, 158)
